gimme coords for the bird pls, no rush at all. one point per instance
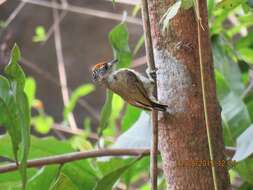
(132, 86)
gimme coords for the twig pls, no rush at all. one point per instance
(62, 15)
(61, 68)
(139, 62)
(151, 66)
(86, 11)
(203, 89)
(128, 2)
(51, 29)
(65, 3)
(74, 156)
(15, 13)
(2, 1)
(59, 127)
(70, 157)
(247, 90)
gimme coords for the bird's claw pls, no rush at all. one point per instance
(152, 74)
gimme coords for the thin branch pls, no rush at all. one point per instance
(151, 66)
(139, 62)
(62, 15)
(74, 156)
(128, 2)
(2, 1)
(86, 11)
(65, 3)
(247, 90)
(15, 13)
(51, 29)
(70, 157)
(59, 127)
(201, 29)
(39, 71)
(61, 68)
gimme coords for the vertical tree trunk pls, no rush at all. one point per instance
(182, 137)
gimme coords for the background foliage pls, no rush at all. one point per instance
(120, 125)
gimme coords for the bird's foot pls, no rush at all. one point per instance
(151, 74)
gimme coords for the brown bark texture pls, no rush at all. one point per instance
(182, 135)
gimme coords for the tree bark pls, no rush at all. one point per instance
(182, 134)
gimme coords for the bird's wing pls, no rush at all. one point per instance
(140, 87)
(139, 105)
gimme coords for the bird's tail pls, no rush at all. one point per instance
(159, 107)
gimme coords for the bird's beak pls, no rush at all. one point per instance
(112, 62)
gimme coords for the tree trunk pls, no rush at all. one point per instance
(182, 135)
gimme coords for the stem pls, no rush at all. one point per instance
(61, 68)
(203, 88)
(70, 157)
(84, 11)
(151, 66)
(74, 156)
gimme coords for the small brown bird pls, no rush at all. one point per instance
(133, 87)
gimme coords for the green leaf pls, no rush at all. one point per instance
(14, 106)
(106, 112)
(2, 24)
(12, 180)
(81, 173)
(42, 123)
(44, 178)
(210, 6)
(225, 64)
(118, 38)
(107, 181)
(235, 115)
(134, 173)
(40, 34)
(30, 90)
(169, 14)
(117, 106)
(40, 147)
(244, 22)
(130, 117)
(14, 72)
(4, 97)
(245, 170)
(245, 42)
(78, 93)
(244, 145)
(87, 124)
(222, 87)
(63, 182)
(229, 4)
(106, 165)
(79, 142)
(247, 55)
(187, 4)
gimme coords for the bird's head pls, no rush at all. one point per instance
(102, 70)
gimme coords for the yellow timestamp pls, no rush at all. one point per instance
(205, 163)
